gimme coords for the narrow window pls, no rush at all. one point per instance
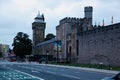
(77, 45)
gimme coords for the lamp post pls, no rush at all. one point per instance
(57, 51)
(46, 56)
(101, 65)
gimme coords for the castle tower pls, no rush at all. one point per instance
(38, 27)
(88, 13)
(87, 25)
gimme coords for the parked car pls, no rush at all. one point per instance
(116, 77)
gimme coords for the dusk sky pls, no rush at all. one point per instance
(18, 15)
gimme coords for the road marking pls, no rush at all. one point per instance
(29, 75)
(37, 70)
(34, 71)
(50, 72)
(70, 76)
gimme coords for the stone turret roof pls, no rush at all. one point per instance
(39, 18)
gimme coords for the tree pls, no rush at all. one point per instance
(49, 36)
(22, 45)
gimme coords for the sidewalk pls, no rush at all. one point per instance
(88, 69)
(70, 67)
(80, 68)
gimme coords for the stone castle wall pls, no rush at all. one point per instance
(100, 45)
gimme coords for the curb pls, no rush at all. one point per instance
(87, 69)
(70, 67)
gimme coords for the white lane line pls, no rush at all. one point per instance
(70, 76)
(35, 71)
(50, 72)
(32, 69)
(29, 75)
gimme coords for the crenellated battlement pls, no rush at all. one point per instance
(88, 9)
(99, 29)
(70, 20)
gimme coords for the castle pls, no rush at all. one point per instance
(86, 44)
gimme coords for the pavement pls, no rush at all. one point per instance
(88, 69)
(80, 68)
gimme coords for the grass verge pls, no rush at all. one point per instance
(97, 66)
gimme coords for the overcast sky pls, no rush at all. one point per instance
(18, 15)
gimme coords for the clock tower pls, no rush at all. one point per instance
(38, 27)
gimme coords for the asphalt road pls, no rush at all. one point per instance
(47, 72)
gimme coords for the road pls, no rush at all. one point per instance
(47, 72)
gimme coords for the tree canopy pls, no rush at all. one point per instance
(49, 36)
(22, 45)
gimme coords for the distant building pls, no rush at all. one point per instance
(46, 49)
(4, 51)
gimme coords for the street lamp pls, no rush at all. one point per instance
(57, 51)
(101, 65)
(46, 56)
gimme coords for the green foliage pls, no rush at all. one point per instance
(22, 45)
(96, 66)
(49, 36)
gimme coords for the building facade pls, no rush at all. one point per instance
(81, 42)
(43, 49)
(38, 27)
(87, 44)
(100, 45)
(4, 51)
(46, 50)
(50, 49)
(67, 31)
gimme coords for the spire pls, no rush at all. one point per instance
(43, 16)
(39, 17)
(103, 23)
(112, 20)
(38, 12)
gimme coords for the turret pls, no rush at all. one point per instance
(88, 13)
(38, 27)
(39, 18)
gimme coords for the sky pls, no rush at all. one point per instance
(18, 15)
